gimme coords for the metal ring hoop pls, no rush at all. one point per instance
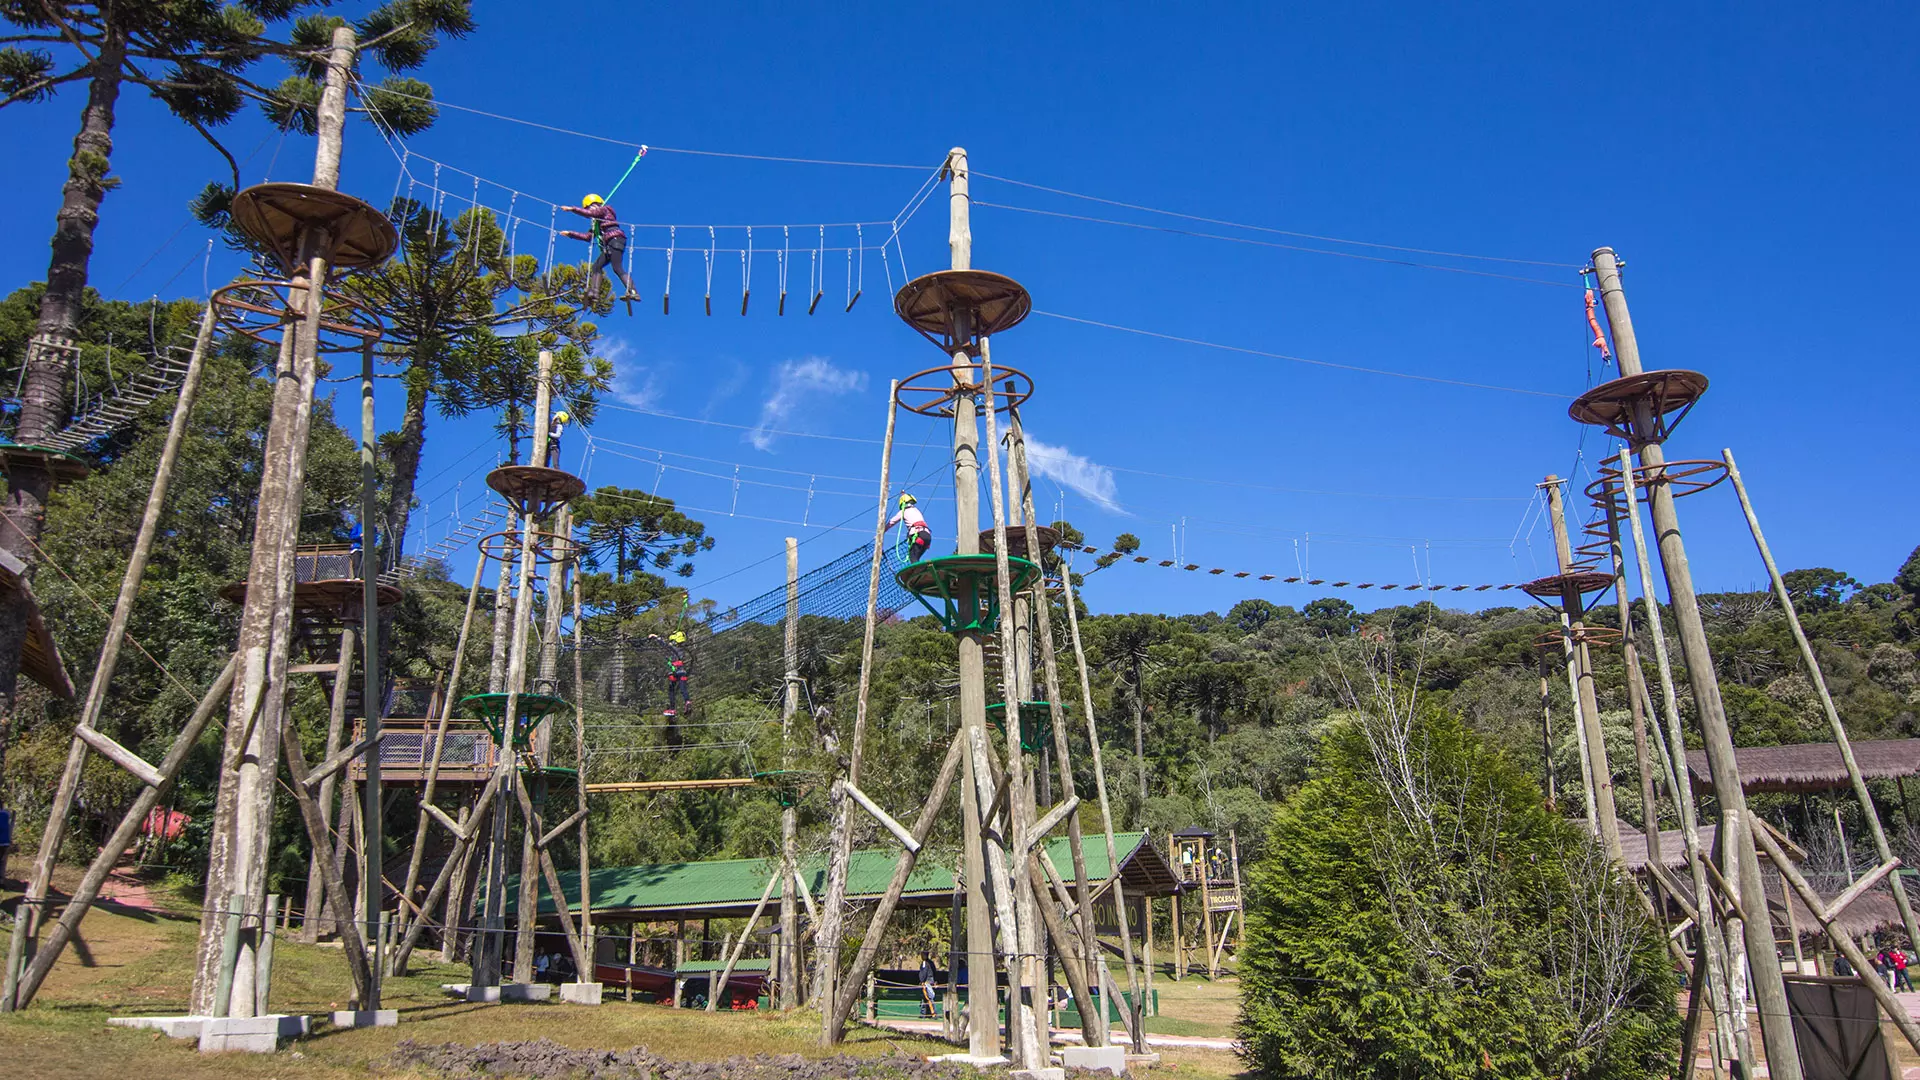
(548, 547)
(1592, 635)
(259, 308)
(932, 392)
(1687, 477)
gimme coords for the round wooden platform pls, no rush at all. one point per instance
(1554, 586)
(933, 392)
(263, 310)
(993, 302)
(1669, 394)
(1591, 635)
(275, 215)
(1017, 540)
(63, 467)
(535, 490)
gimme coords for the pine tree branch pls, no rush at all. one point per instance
(66, 31)
(27, 93)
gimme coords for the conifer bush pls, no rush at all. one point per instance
(1419, 913)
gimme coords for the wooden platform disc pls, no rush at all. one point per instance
(994, 302)
(933, 392)
(1017, 540)
(62, 466)
(1553, 586)
(275, 215)
(535, 490)
(1610, 405)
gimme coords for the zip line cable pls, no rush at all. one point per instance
(1275, 244)
(1274, 231)
(1302, 359)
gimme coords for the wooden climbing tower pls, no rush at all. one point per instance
(991, 595)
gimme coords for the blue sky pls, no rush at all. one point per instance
(1753, 163)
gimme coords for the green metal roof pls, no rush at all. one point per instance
(725, 887)
(703, 967)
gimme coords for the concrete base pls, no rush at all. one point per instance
(1111, 1059)
(481, 993)
(253, 1034)
(173, 1027)
(526, 992)
(969, 1059)
(365, 1018)
(580, 993)
(1039, 1074)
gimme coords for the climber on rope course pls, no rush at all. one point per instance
(555, 428)
(610, 240)
(679, 695)
(919, 536)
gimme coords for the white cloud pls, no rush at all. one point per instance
(1073, 471)
(634, 384)
(797, 382)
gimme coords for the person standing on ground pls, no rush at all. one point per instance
(1900, 960)
(927, 976)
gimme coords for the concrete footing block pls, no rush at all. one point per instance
(482, 993)
(365, 1018)
(251, 1034)
(526, 992)
(1111, 1059)
(173, 1027)
(583, 993)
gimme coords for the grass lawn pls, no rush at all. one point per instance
(128, 962)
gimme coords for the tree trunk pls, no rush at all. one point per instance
(44, 408)
(1140, 734)
(404, 452)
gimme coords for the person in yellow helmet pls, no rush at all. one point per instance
(679, 692)
(555, 427)
(919, 536)
(613, 244)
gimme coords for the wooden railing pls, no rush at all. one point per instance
(406, 749)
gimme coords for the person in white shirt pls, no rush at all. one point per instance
(919, 536)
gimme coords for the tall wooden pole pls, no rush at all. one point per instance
(1106, 809)
(827, 936)
(1858, 782)
(30, 912)
(336, 734)
(372, 688)
(1770, 995)
(1606, 822)
(580, 785)
(537, 735)
(983, 1033)
(1546, 733)
(1095, 1033)
(243, 812)
(787, 967)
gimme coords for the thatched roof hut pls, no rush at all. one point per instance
(1811, 767)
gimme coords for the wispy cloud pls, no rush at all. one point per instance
(634, 383)
(1074, 472)
(797, 383)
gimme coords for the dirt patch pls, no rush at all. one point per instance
(544, 1059)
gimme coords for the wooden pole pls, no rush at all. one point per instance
(828, 932)
(1021, 976)
(1602, 819)
(517, 679)
(1094, 1034)
(34, 972)
(841, 1006)
(1546, 734)
(1106, 808)
(580, 787)
(243, 811)
(351, 943)
(726, 972)
(1729, 1025)
(1856, 956)
(372, 685)
(26, 923)
(336, 734)
(786, 968)
(455, 867)
(1858, 782)
(439, 747)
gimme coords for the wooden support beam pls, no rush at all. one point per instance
(900, 832)
(464, 837)
(1673, 890)
(120, 755)
(720, 987)
(440, 816)
(1049, 823)
(342, 759)
(553, 833)
(1862, 967)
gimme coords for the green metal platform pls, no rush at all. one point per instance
(964, 586)
(1036, 723)
(532, 708)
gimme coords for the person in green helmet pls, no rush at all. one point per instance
(919, 536)
(679, 695)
